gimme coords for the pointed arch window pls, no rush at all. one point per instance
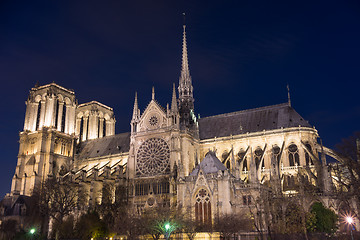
(258, 155)
(38, 115)
(293, 155)
(203, 207)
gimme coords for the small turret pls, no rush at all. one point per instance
(136, 115)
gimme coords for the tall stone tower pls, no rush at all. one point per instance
(47, 142)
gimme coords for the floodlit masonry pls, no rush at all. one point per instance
(208, 166)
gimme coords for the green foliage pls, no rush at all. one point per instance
(293, 219)
(325, 219)
(311, 222)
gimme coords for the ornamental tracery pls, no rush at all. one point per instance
(153, 157)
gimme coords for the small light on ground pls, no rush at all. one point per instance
(32, 231)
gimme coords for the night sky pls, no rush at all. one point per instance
(242, 54)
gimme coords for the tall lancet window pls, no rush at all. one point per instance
(81, 129)
(56, 113)
(203, 207)
(293, 155)
(63, 117)
(104, 127)
(38, 116)
(258, 155)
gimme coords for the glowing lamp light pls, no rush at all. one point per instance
(167, 226)
(349, 220)
(32, 231)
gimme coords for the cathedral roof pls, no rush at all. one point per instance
(252, 120)
(210, 164)
(119, 143)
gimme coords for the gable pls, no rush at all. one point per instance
(153, 117)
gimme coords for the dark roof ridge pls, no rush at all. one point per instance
(248, 110)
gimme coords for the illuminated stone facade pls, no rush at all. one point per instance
(208, 166)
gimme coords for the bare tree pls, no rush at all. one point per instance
(347, 174)
(231, 224)
(57, 199)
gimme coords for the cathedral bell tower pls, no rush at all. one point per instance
(47, 142)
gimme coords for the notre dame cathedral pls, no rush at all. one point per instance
(208, 166)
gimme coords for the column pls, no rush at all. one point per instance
(93, 126)
(85, 126)
(49, 111)
(27, 115)
(60, 113)
(112, 121)
(42, 114)
(33, 115)
(67, 118)
(71, 127)
(108, 128)
(78, 127)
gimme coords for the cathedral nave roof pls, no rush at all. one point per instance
(251, 120)
(119, 143)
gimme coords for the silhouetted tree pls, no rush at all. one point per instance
(57, 199)
(231, 224)
(347, 174)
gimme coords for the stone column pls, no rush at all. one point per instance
(42, 114)
(78, 126)
(71, 122)
(49, 111)
(101, 128)
(27, 116)
(60, 113)
(108, 126)
(33, 115)
(55, 110)
(85, 128)
(67, 118)
(92, 131)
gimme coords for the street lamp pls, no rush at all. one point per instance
(350, 221)
(167, 226)
(168, 230)
(32, 232)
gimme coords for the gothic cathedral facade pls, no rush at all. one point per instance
(209, 166)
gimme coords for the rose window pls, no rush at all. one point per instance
(153, 121)
(153, 157)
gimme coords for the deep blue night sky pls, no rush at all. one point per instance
(241, 55)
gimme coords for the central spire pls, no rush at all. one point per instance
(185, 72)
(186, 99)
(185, 83)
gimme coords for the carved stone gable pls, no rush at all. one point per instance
(154, 117)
